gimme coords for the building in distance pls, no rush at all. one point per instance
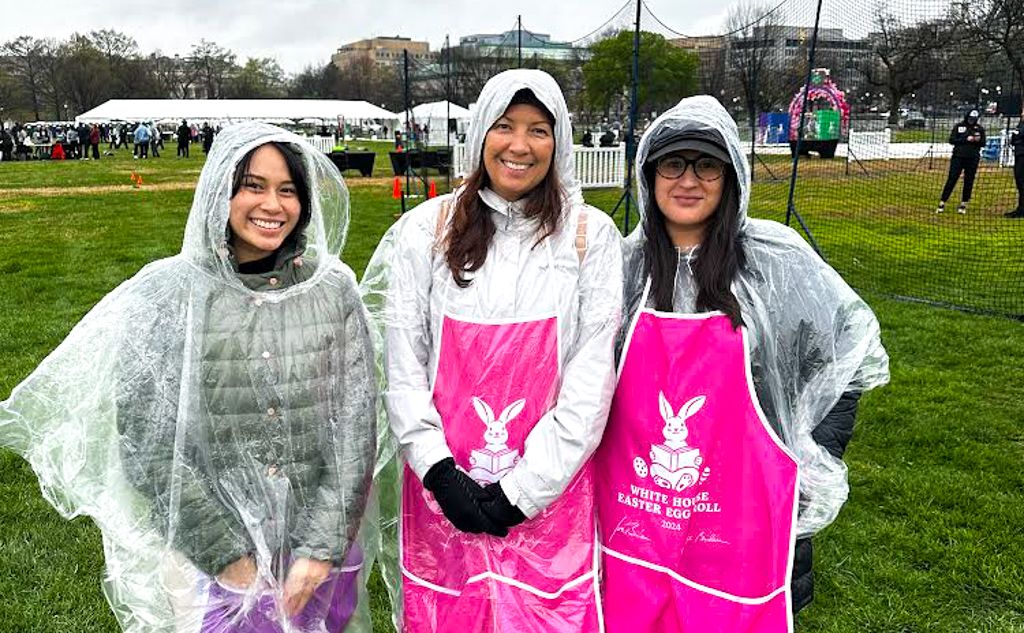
(382, 51)
(534, 45)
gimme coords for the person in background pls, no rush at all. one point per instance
(184, 138)
(141, 141)
(74, 149)
(967, 139)
(1017, 141)
(83, 140)
(156, 139)
(94, 141)
(208, 135)
(6, 144)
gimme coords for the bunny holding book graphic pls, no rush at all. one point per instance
(492, 462)
(674, 464)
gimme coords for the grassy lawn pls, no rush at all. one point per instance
(930, 541)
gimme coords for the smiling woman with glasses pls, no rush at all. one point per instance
(738, 382)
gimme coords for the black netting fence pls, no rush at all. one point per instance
(855, 114)
(890, 94)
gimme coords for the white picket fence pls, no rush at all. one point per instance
(459, 167)
(324, 144)
(868, 145)
(1006, 157)
(600, 166)
(595, 166)
(879, 146)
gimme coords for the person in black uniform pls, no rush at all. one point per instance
(184, 133)
(1017, 140)
(967, 139)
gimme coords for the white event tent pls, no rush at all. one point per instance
(435, 116)
(329, 112)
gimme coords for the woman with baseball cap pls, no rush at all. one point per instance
(738, 381)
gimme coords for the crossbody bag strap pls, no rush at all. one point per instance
(581, 235)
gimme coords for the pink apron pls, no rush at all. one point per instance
(697, 498)
(495, 380)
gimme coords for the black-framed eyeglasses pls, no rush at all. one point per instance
(706, 168)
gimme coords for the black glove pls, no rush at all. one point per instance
(499, 509)
(460, 497)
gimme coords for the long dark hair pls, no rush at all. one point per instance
(719, 257)
(296, 171)
(473, 228)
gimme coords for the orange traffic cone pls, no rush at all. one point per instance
(139, 179)
(396, 188)
(135, 180)
(432, 190)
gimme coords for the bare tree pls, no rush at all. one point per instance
(119, 51)
(363, 79)
(84, 73)
(23, 58)
(473, 66)
(751, 55)
(173, 76)
(313, 81)
(998, 24)
(712, 67)
(213, 67)
(907, 57)
(261, 77)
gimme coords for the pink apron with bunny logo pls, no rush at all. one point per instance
(495, 380)
(697, 497)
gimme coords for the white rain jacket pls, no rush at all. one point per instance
(198, 415)
(812, 338)
(407, 281)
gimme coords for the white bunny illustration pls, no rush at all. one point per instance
(675, 431)
(493, 461)
(496, 434)
(674, 464)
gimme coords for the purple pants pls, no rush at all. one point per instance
(330, 607)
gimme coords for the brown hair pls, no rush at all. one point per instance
(472, 227)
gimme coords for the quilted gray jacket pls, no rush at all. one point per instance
(280, 460)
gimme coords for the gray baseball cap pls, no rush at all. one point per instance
(704, 140)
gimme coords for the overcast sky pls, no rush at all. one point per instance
(302, 32)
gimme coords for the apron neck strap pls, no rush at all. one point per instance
(646, 294)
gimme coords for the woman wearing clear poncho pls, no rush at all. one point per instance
(215, 414)
(739, 376)
(498, 307)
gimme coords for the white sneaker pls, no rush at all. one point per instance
(942, 207)
(962, 209)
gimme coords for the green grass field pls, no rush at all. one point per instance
(929, 542)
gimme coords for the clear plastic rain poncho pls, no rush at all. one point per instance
(812, 338)
(200, 416)
(409, 290)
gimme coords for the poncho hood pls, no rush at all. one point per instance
(494, 100)
(206, 232)
(694, 113)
